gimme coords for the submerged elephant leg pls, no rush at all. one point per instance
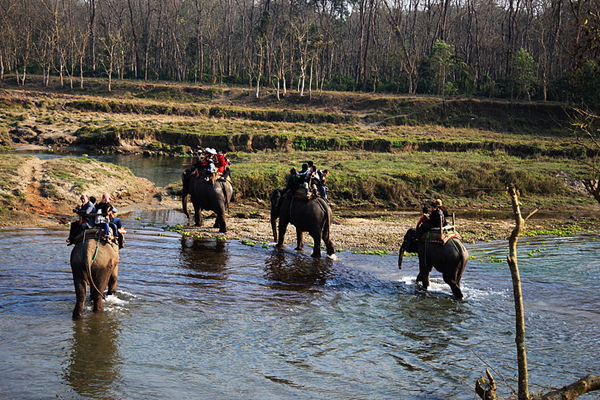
(458, 294)
(100, 279)
(80, 292)
(80, 288)
(453, 280)
(328, 243)
(423, 276)
(282, 228)
(112, 282)
(97, 300)
(316, 235)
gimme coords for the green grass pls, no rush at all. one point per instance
(406, 179)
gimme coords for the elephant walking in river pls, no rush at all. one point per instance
(450, 259)
(94, 262)
(312, 216)
(206, 195)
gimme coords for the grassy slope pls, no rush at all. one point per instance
(463, 150)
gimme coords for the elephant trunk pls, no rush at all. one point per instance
(274, 228)
(185, 179)
(184, 200)
(400, 256)
(275, 209)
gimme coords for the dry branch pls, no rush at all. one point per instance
(574, 390)
(486, 388)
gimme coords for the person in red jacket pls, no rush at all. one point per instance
(221, 164)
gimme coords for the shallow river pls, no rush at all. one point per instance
(207, 319)
(223, 320)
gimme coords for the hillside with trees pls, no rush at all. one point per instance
(546, 50)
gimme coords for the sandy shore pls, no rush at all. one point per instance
(356, 230)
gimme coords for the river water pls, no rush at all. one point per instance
(225, 320)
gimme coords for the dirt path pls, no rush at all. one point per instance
(29, 179)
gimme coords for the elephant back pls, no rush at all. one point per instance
(441, 236)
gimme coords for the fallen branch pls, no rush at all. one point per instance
(574, 390)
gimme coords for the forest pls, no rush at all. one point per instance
(516, 49)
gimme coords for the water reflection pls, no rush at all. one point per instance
(296, 269)
(206, 257)
(94, 362)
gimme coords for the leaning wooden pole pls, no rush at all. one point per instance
(523, 393)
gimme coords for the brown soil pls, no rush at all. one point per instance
(46, 198)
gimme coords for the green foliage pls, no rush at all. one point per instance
(441, 60)
(582, 84)
(253, 185)
(524, 73)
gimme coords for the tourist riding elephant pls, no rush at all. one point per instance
(94, 262)
(450, 259)
(312, 216)
(206, 195)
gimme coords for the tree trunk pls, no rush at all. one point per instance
(523, 392)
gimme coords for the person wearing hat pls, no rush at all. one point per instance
(438, 214)
(205, 162)
(221, 164)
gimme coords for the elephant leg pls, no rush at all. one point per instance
(316, 235)
(423, 276)
(452, 276)
(458, 294)
(221, 223)
(282, 228)
(97, 300)
(80, 292)
(197, 215)
(101, 278)
(328, 243)
(112, 281)
(80, 285)
(299, 240)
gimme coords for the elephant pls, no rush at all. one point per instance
(94, 262)
(208, 196)
(312, 216)
(450, 259)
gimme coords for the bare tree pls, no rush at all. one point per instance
(486, 387)
(587, 133)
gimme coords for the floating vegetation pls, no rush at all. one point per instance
(372, 252)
